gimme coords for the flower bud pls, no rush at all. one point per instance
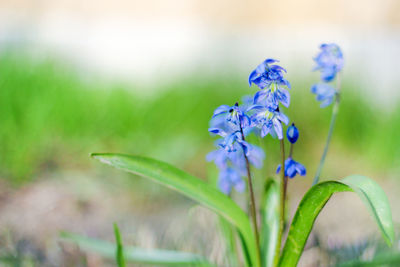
(292, 134)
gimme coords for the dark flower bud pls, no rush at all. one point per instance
(292, 134)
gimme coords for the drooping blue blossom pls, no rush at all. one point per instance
(329, 61)
(229, 178)
(292, 133)
(232, 114)
(324, 93)
(233, 124)
(292, 168)
(269, 78)
(268, 120)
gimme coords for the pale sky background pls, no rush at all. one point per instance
(155, 41)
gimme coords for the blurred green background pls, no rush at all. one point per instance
(52, 119)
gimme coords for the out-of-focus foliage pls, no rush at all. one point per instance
(45, 108)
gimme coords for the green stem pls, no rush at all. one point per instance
(331, 126)
(283, 185)
(252, 204)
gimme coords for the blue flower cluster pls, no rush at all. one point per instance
(232, 124)
(329, 62)
(266, 115)
(292, 168)
(260, 115)
(269, 78)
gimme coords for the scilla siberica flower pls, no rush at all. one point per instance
(269, 78)
(292, 133)
(292, 168)
(229, 122)
(268, 120)
(329, 61)
(324, 93)
(265, 109)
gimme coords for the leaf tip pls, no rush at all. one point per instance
(102, 157)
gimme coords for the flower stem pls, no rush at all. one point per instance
(283, 185)
(331, 126)
(252, 203)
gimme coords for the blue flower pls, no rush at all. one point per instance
(325, 93)
(269, 78)
(229, 178)
(292, 133)
(292, 168)
(329, 61)
(232, 164)
(233, 114)
(268, 120)
(233, 124)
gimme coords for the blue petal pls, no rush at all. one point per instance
(221, 109)
(300, 169)
(212, 155)
(291, 170)
(283, 118)
(278, 128)
(328, 74)
(217, 131)
(287, 83)
(265, 130)
(270, 60)
(256, 107)
(326, 102)
(259, 96)
(261, 68)
(225, 186)
(284, 97)
(256, 156)
(240, 186)
(246, 147)
(277, 68)
(252, 76)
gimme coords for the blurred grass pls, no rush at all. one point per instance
(51, 119)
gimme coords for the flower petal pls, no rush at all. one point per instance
(221, 109)
(278, 128)
(284, 97)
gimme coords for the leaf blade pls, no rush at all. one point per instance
(135, 254)
(120, 249)
(368, 190)
(190, 186)
(316, 198)
(269, 222)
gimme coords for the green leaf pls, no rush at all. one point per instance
(120, 250)
(135, 254)
(193, 188)
(383, 259)
(315, 199)
(376, 201)
(269, 222)
(228, 233)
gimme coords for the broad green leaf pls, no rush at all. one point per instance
(376, 201)
(193, 188)
(135, 254)
(120, 250)
(315, 199)
(269, 222)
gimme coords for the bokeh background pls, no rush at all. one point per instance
(143, 77)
